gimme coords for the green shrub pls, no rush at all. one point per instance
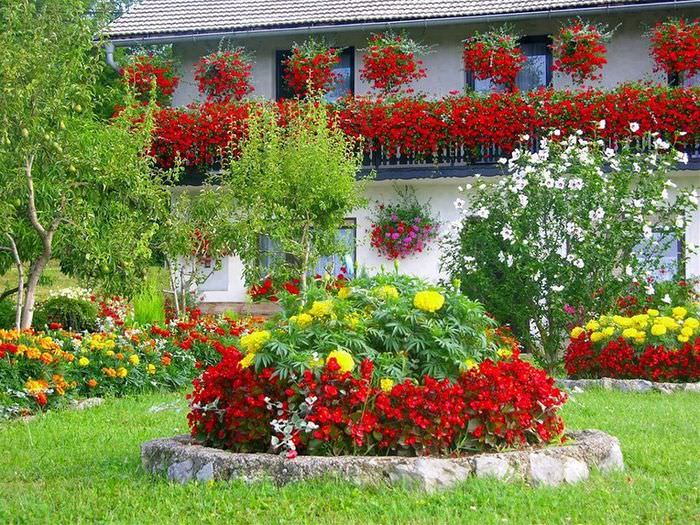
(70, 313)
(7, 314)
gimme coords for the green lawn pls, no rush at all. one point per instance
(52, 279)
(83, 467)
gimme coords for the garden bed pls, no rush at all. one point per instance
(629, 385)
(181, 459)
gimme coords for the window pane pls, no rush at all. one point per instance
(668, 248)
(334, 264)
(344, 70)
(693, 81)
(533, 74)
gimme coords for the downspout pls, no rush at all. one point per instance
(109, 51)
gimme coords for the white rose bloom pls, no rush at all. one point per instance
(459, 204)
(634, 127)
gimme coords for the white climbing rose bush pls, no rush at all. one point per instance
(566, 228)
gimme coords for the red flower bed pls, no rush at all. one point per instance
(579, 51)
(495, 55)
(201, 134)
(675, 46)
(144, 70)
(390, 62)
(224, 76)
(618, 359)
(310, 68)
(496, 405)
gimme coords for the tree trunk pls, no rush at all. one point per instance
(306, 243)
(20, 281)
(35, 272)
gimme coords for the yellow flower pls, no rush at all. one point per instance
(151, 368)
(679, 312)
(604, 320)
(470, 363)
(592, 325)
(597, 336)
(83, 361)
(315, 362)
(504, 352)
(658, 330)
(33, 353)
(109, 353)
(247, 360)
(344, 292)
(608, 331)
(624, 322)
(387, 292)
(577, 331)
(692, 322)
(353, 320)
(321, 308)
(344, 360)
(668, 322)
(386, 384)
(122, 372)
(254, 341)
(653, 312)
(683, 338)
(134, 359)
(629, 333)
(687, 331)
(303, 320)
(429, 301)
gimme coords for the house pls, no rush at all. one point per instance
(268, 28)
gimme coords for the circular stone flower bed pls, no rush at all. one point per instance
(181, 459)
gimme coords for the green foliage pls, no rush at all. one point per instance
(570, 227)
(376, 318)
(149, 304)
(296, 184)
(70, 312)
(7, 314)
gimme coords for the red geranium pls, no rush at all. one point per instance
(148, 71)
(309, 69)
(675, 46)
(224, 76)
(579, 50)
(496, 55)
(390, 62)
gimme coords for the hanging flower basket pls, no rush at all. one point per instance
(224, 76)
(390, 62)
(494, 55)
(309, 69)
(579, 50)
(403, 228)
(145, 71)
(675, 47)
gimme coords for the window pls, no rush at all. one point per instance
(345, 71)
(536, 72)
(670, 251)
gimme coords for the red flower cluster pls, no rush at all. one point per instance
(309, 69)
(579, 50)
(618, 359)
(144, 70)
(267, 290)
(494, 55)
(224, 76)
(502, 404)
(201, 135)
(389, 63)
(675, 46)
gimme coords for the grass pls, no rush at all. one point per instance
(149, 304)
(83, 467)
(52, 279)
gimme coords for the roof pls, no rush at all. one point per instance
(159, 18)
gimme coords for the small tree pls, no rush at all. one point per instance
(567, 227)
(294, 182)
(79, 189)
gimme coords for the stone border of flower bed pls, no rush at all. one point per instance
(183, 460)
(628, 385)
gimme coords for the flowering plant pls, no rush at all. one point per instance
(579, 50)
(675, 46)
(658, 344)
(224, 75)
(402, 228)
(572, 224)
(309, 69)
(148, 72)
(390, 62)
(495, 54)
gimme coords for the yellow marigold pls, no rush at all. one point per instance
(321, 308)
(577, 331)
(344, 292)
(247, 360)
(504, 352)
(597, 336)
(33, 353)
(608, 331)
(683, 338)
(470, 363)
(629, 333)
(679, 312)
(653, 312)
(592, 325)
(344, 360)
(604, 320)
(668, 322)
(303, 320)
(692, 322)
(134, 359)
(386, 384)
(109, 353)
(387, 292)
(429, 301)
(658, 329)
(83, 361)
(624, 322)
(36, 386)
(151, 368)
(122, 372)
(687, 331)
(254, 341)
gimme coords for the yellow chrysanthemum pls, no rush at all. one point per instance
(122, 372)
(692, 322)
(683, 338)
(592, 325)
(668, 322)
(134, 359)
(344, 292)
(687, 331)
(576, 332)
(344, 360)
(604, 320)
(83, 361)
(608, 331)
(624, 322)
(597, 336)
(247, 360)
(387, 292)
(302, 320)
(321, 308)
(658, 329)
(429, 301)
(254, 341)
(652, 312)
(679, 312)
(629, 333)
(386, 384)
